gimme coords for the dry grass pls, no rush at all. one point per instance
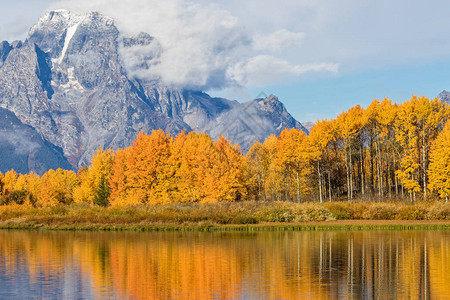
(220, 214)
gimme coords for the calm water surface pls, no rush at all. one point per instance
(265, 265)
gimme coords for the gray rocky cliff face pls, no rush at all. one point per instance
(5, 48)
(68, 81)
(253, 121)
(444, 96)
(308, 125)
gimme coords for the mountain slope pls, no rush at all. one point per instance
(444, 96)
(69, 81)
(23, 149)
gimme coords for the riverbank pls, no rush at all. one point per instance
(236, 216)
(352, 225)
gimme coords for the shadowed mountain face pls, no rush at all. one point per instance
(23, 149)
(68, 82)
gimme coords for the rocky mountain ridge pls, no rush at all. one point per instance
(444, 96)
(68, 81)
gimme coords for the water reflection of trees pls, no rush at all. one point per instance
(316, 265)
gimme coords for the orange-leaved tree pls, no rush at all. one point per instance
(144, 170)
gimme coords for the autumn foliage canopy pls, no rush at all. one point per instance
(387, 151)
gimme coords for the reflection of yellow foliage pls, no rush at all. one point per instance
(272, 265)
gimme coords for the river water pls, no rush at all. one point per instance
(198, 265)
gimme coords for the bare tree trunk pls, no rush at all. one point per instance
(351, 174)
(329, 186)
(263, 183)
(289, 184)
(379, 176)
(388, 177)
(424, 166)
(362, 170)
(259, 187)
(348, 173)
(396, 180)
(320, 182)
(372, 181)
(286, 188)
(298, 186)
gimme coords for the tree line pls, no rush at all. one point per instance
(387, 151)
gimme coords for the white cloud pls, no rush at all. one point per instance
(199, 46)
(263, 70)
(16, 139)
(359, 35)
(16, 17)
(197, 43)
(278, 40)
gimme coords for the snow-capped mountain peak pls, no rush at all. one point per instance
(70, 81)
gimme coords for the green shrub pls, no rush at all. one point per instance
(317, 212)
(243, 219)
(341, 211)
(14, 197)
(276, 214)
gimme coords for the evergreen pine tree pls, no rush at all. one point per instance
(102, 193)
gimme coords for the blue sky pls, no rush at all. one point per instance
(319, 57)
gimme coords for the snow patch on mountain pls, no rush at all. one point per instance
(73, 83)
(69, 35)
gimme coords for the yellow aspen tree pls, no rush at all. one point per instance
(206, 173)
(229, 173)
(372, 128)
(145, 169)
(57, 187)
(200, 169)
(350, 124)
(385, 117)
(319, 139)
(101, 167)
(274, 179)
(185, 152)
(419, 122)
(383, 146)
(432, 117)
(118, 181)
(9, 181)
(293, 157)
(30, 184)
(439, 169)
(408, 137)
(256, 169)
(48, 196)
